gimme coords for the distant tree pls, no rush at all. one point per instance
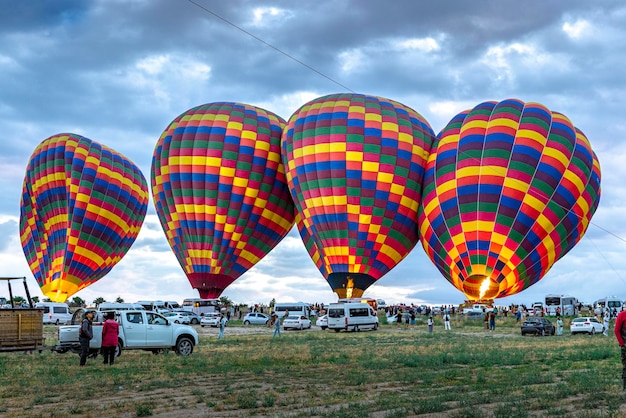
(226, 302)
(47, 300)
(35, 299)
(98, 301)
(18, 300)
(119, 300)
(77, 302)
(272, 303)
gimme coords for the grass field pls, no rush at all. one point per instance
(466, 372)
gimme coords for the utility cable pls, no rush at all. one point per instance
(271, 46)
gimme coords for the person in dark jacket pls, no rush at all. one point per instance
(85, 334)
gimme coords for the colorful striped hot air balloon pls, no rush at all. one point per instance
(220, 192)
(82, 207)
(510, 188)
(354, 166)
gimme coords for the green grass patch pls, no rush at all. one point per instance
(465, 372)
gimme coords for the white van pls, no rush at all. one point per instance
(294, 308)
(114, 306)
(55, 312)
(154, 305)
(351, 316)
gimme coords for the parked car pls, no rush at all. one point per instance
(393, 319)
(587, 324)
(296, 322)
(194, 319)
(256, 318)
(177, 318)
(322, 322)
(537, 326)
(211, 319)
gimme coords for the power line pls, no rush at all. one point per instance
(271, 46)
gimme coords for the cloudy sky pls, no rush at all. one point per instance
(119, 71)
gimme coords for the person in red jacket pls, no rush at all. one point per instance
(620, 334)
(110, 331)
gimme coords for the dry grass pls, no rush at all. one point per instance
(388, 373)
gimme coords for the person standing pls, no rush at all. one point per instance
(620, 334)
(431, 324)
(223, 322)
(110, 332)
(559, 326)
(446, 321)
(492, 321)
(85, 334)
(276, 326)
(607, 319)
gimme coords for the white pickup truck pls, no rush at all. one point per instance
(139, 330)
(476, 308)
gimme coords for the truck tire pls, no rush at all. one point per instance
(118, 349)
(184, 346)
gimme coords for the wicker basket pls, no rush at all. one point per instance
(21, 329)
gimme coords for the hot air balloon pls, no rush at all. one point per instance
(354, 167)
(82, 207)
(220, 191)
(510, 188)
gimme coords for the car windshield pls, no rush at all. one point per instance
(293, 318)
(580, 320)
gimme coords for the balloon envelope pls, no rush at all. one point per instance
(354, 166)
(510, 188)
(82, 207)
(220, 192)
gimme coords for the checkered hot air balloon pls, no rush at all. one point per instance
(220, 192)
(510, 188)
(82, 207)
(354, 167)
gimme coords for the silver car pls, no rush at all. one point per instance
(256, 318)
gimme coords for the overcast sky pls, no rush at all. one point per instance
(119, 71)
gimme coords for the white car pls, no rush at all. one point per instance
(296, 322)
(177, 318)
(588, 325)
(194, 319)
(322, 322)
(210, 320)
(393, 319)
